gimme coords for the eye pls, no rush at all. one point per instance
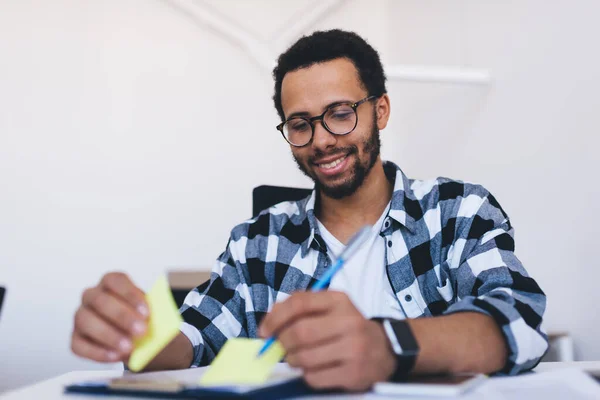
(298, 125)
(342, 115)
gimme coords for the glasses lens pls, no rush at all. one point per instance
(297, 131)
(340, 119)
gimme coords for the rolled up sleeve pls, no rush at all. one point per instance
(490, 279)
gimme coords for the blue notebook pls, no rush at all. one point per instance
(183, 385)
(295, 388)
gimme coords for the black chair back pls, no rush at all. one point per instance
(266, 196)
(2, 291)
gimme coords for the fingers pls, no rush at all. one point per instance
(325, 355)
(298, 305)
(345, 376)
(350, 371)
(337, 348)
(111, 315)
(348, 348)
(361, 358)
(85, 348)
(120, 284)
(311, 331)
(90, 326)
(115, 310)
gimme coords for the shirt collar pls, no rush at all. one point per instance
(403, 198)
(402, 201)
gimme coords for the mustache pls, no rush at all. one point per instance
(338, 151)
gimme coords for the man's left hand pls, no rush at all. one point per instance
(328, 338)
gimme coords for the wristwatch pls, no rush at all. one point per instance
(404, 345)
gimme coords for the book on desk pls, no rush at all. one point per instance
(285, 382)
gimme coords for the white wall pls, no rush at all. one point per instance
(131, 137)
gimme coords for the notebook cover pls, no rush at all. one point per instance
(293, 388)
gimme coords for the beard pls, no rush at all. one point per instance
(371, 148)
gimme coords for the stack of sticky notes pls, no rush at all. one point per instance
(163, 325)
(238, 363)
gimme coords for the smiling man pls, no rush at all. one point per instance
(436, 288)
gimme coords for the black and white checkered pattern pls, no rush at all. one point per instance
(449, 248)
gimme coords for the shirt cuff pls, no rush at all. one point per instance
(195, 338)
(526, 346)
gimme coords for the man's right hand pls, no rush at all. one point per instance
(110, 316)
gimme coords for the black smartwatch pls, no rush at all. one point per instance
(404, 345)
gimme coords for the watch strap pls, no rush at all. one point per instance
(403, 344)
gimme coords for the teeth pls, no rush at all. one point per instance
(332, 164)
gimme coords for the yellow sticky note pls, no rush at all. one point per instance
(237, 363)
(163, 325)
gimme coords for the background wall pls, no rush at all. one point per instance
(131, 138)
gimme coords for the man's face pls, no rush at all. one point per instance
(337, 164)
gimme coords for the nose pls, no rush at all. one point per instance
(322, 138)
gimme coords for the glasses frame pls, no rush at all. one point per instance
(321, 117)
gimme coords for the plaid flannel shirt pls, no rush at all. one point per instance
(449, 249)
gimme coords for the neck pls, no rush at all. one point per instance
(343, 217)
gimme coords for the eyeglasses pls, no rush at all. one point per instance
(338, 119)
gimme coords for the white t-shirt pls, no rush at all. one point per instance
(364, 278)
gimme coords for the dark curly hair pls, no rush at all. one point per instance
(323, 46)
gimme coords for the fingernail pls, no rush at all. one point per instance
(138, 328)
(112, 355)
(142, 309)
(125, 345)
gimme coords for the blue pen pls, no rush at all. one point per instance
(353, 245)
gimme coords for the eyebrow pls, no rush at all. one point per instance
(307, 114)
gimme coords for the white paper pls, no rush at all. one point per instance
(561, 384)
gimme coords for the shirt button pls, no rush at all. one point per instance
(387, 223)
(389, 243)
(408, 297)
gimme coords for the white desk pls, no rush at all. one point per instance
(52, 389)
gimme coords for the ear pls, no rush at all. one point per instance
(382, 110)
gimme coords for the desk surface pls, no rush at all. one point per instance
(52, 389)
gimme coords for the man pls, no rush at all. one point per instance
(435, 289)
